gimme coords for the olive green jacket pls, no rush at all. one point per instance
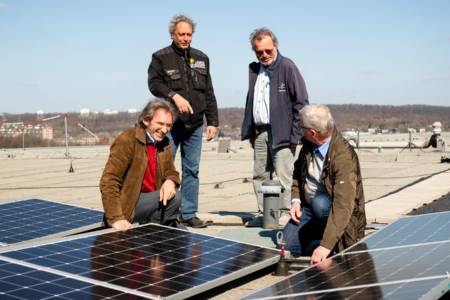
(120, 184)
(342, 179)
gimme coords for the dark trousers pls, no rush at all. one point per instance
(150, 209)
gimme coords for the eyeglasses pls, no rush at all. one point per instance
(266, 51)
(303, 128)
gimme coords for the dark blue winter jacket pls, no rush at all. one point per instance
(287, 96)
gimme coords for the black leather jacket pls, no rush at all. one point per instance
(184, 72)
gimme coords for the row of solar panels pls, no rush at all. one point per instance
(149, 261)
(408, 259)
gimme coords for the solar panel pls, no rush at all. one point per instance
(151, 260)
(21, 282)
(390, 264)
(419, 289)
(34, 218)
(428, 228)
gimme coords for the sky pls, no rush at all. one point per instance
(62, 56)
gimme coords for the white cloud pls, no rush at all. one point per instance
(2, 6)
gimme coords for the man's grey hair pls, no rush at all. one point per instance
(180, 18)
(260, 33)
(152, 106)
(317, 117)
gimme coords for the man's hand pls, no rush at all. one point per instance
(296, 213)
(211, 132)
(121, 225)
(167, 192)
(182, 104)
(319, 254)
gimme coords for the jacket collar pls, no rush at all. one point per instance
(276, 63)
(141, 136)
(186, 53)
(309, 146)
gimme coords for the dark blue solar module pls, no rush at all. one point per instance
(411, 230)
(365, 272)
(30, 219)
(393, 263)
(150, 259)
(20, 282)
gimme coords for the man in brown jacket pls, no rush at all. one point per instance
(327, 211)
(139, 182)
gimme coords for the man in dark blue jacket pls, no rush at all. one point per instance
(276, 93)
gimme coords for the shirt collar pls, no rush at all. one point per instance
(150, 138)
(323, 149)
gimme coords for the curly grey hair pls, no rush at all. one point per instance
(317, 117)
(152, 106)
(180, 18)
(260, 33)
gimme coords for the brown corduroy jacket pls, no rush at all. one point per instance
(342, 179)
(120, 184)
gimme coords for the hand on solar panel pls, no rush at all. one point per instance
(296, 212)
(319, 254)
(167, 192)
(121, 225)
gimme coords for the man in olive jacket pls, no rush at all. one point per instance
(327, 194)
(139, 181)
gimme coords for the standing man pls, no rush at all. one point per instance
(181, 74)
(328, 198)
(139, 181)
(276, 93)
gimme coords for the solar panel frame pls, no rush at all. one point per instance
(19, 227)
(50, 251)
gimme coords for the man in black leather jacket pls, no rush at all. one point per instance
(181, 75)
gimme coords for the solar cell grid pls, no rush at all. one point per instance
(412, 230)
(30, 219)
(366, 268)
(150, 259)
(421, 289)
(20, 282)
(404, 260)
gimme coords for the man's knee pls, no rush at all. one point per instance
(175, 203)
(321, 204)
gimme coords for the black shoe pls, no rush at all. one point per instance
(195, 222)
(255, 222)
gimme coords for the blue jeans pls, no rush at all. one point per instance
(303, 237)
(190, 148)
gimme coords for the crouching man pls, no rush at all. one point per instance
(327, 213)
(139, 182)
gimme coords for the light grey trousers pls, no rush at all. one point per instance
(266, 161)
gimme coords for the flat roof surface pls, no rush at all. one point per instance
(226, 191)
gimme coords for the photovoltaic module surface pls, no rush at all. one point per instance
(20, 282)
(390, 264)
(148, 261)
(30, 219)
(406, 231)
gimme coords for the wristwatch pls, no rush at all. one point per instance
(171, 94)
